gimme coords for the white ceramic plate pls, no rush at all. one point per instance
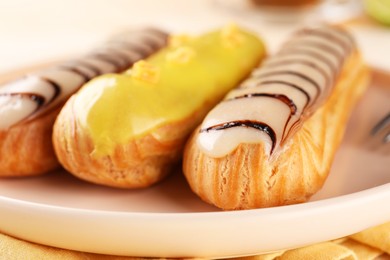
(167, 220)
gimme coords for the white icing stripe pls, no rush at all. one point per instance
(341, 35)
(272, 104)
(99, 65)
(345, 41)
(324, 44)
(62, 78)
(126, 57)
(287, 58)
(233, 111)
(83, 72)
(28, 97)
(314, 51)
(273, 89)
(29, 84)
(20, 105)
(288, 80)
(310, 72)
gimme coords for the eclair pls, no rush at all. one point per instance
(128, 130)
(29, 105)
(271, 141)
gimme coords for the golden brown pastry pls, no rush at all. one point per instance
(272, 140)
(128, 130)
(29, 105)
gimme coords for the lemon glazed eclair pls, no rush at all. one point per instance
(128, 130)
(272, 140)
(29, 105)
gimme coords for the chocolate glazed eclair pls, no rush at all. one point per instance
(29, 105)
(272, 140)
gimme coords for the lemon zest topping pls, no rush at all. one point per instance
(146, 72)
(231, 36)
(181, 55)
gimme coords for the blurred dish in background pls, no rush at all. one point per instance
(332, 11)
(284, 3)
(338, 10)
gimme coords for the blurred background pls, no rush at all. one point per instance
(33, 31)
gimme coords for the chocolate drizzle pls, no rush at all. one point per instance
(149, 41)
(120, 54)
(314, 54)
(313, 65)
(85, 64)
(325, 34)
(38, 99)
(77, 71)
(297, 74)
(283, 98)
(56, 87)
(322, 49)
(383, 126)
(304, 92)
(133, 46)
(245, 123)
(108, 59)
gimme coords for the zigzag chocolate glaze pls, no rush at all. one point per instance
(30, 96)
(245, 123)
(271, 105)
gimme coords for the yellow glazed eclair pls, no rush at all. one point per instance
(29, 105)
(272, 140)
(128, 130)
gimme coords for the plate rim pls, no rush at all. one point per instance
(322, 203)
(207, 223)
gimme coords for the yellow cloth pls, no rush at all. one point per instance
(378, 237)
(368, 244)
